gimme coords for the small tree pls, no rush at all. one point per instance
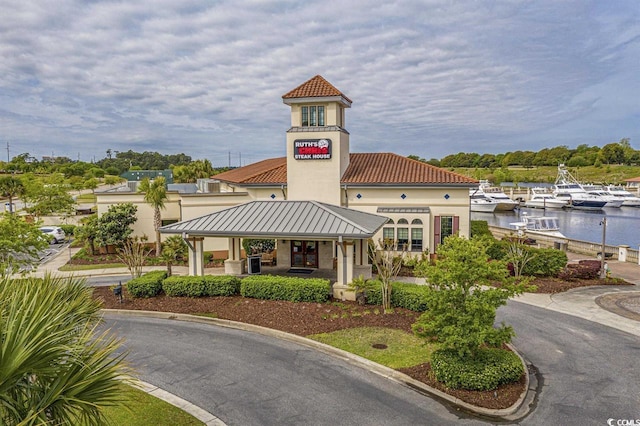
(87, 233)
(388, 263)
(48, 196)
(461, 310)
(114, 225)
(518, 255)
(20, 244)
(133, 253)
(11, 187)
(155, 194)
(174, 248)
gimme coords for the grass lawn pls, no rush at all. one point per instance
(86, 199)
(391, 348)
(145, 409)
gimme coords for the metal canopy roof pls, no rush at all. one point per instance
(290, 219)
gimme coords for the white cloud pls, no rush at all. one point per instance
(429, 78)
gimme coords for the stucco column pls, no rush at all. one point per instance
(196, 255)
(362, 265)
(345, 271)
(234, 265)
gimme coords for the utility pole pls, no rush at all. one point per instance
(8, 152)
(603, 273)
(240, 161)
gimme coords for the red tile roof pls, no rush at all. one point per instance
(389, 168)
(272, 170)
(364, 169)
(314, 88)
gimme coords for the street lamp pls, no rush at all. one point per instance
(603, 223)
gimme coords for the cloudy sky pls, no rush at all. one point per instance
(206, 78)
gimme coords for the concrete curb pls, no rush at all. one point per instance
(514, 412)
(197, 412)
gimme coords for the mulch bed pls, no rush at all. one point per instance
(552, 285)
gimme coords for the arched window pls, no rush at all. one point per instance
(416, 222)
(402, 222)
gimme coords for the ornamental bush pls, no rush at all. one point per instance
(403, 295)
(147, 285)
(207, 285)
(487, 370)
(546, 262)
(293, 289)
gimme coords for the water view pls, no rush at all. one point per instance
(623, 224)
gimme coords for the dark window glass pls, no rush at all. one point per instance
(403, 238)
(312, 116)
(416, 239)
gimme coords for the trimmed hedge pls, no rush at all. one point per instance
(147, 285)
(199, 286)
(293, 289)
(490, 368)
(403, 295)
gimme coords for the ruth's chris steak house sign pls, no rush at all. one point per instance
(312, 149)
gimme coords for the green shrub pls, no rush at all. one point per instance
(403, 295)
(480, 227)
(293, 289)
(546, 262)
(68, 229)
(207, 285)
(147, 285)
(497, 250)
(490, 368)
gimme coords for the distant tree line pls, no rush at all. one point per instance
(583, 155)
(185, 170)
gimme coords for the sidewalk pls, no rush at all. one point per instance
(583, 302)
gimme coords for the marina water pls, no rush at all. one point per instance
(623, 224)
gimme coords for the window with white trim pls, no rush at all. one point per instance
(313, 116)
(403, 234)
(416, 235)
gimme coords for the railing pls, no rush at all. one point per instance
(575, 246)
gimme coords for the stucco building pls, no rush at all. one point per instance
(405, 200)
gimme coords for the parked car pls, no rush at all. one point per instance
(55, 233)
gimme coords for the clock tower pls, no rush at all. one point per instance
(317, 142)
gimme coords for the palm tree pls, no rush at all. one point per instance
(155, 194)
(11, 187)
(55, 368)
(173, 249)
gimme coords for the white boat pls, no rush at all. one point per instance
(480, 203)
(567, 188)
(505, 204)
(628, 199)
(537, 225)
(612, 200)
(543, 199)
